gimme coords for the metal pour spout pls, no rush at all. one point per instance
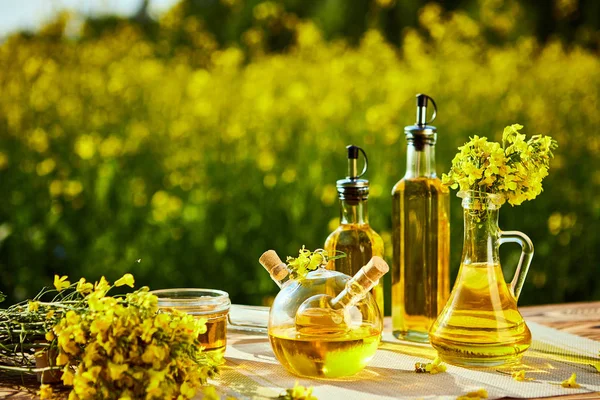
(422, 109)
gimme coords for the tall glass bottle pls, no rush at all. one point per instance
(420, 235)
(354, 236)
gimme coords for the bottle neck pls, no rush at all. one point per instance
(359, 285)
(280, 274)
(481, 236)
(354, 212)
(281, 281)
(420, 160)
(352, 294)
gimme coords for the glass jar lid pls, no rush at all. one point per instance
(194, 301)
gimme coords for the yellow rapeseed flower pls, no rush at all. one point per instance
(45, 391)
(101, 287)
(435, 367)
(116, 370)
(61, 283)
(188, 390)
(85, 147)
(154, 355)
(156, 378)
(67, 376)
(126, 279)
(62, 359)
(126, 395)
(476, 395)
(519, 375)
(571, 382)
(84, 287)
(100, 325)
(33, 306)
(298, 392)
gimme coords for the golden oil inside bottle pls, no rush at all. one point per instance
(324, 356)
(214, 340)
(481, 325)
(359, 242)
(420, 270)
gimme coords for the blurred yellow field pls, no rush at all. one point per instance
(196, 158)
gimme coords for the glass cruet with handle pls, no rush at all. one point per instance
(480, 325)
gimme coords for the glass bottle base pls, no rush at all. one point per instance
(480, 362)
(412, 336)
(480, 355)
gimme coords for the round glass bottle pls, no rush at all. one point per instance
(327, 324)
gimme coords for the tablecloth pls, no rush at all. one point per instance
(251, 371)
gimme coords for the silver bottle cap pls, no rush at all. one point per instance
(421, 133)
(352, 187)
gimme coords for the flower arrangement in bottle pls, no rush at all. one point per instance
(480, 324)
(514, 169)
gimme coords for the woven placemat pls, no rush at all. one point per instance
(252, 371)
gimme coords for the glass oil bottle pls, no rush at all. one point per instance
(480, 325)
(420, 235)
(336, 325)
(354, 236)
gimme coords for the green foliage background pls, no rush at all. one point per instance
(171, 144)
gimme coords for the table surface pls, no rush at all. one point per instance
(581, 319)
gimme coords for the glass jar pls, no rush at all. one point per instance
(211, 304)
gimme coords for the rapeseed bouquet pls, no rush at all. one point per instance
(514, 170)
(109, 347)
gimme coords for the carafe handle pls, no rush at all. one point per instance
(526, 255)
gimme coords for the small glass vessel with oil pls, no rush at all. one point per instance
(327, 324)
(211, 304)
(420, 235)
(355, 237)
(480, 325)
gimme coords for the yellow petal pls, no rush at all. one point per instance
(571, 382)
(519, 375)
(126, 279)
(61, 283)
(45, 391)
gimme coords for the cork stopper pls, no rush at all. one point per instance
(368, 275)
(273, 264)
